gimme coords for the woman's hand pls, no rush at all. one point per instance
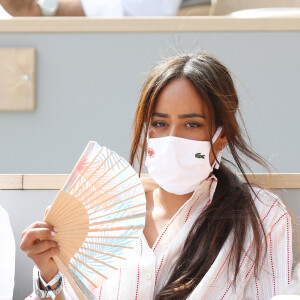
(37, 242)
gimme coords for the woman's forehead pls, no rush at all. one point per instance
(180, 97)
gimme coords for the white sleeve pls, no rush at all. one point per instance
(119, 8)
(7, 257)
(275, 274)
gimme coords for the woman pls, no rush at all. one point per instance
(208, 235)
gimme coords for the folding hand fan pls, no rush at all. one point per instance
(99, 214)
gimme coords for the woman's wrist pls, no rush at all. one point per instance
(47, 276)
(53, 282)
(46, 289)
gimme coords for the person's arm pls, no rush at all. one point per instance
(21, 8)
(7, 257)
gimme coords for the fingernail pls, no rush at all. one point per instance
(59, 244)
(53, 233)
(55, 229)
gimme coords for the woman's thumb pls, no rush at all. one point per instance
(46, 211)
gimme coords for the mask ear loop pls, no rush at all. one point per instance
(216, 163)
(147, 137)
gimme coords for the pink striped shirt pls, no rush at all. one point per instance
(146, 271)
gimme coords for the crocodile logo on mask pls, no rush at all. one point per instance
(199, 155)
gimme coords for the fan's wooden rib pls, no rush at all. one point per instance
(118, 220)
(83, 172)
(66, 250)
(112, 197)
(97, 260)
(108, 245)
(104, 253)
(62, 267)
(87, 180)
(82, 224)
(116, 228)
(71, 232)
(75, 282)
(114, 204)
(102, 163)
(118, 211)
(57, 207)
(107, 191)
(112, 237)
(110, 168)
(89, 267)
(68, 218)
(84, 276)
(67, 202)
(100, 187)
(70, 215)
(70, 222)
(62, 259)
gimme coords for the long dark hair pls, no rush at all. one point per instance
(232, 209)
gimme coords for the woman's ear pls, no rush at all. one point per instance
(222, 140)
(217, 146)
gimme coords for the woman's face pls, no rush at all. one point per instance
(181, 112)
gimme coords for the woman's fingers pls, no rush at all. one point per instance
(38, 225)
(33, 234)
(42, 246)
(46, 210)
(45, 256)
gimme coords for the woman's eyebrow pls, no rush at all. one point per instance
(160, 115)
(191, 116)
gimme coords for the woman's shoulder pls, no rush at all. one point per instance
(270, 207)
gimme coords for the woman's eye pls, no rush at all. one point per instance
(158, 124)
(193, 124)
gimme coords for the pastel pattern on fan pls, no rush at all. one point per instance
(100, 215)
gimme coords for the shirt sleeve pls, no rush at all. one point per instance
(120, 8)
(275, 274)
(7, 254)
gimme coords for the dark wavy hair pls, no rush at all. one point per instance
(232, 209)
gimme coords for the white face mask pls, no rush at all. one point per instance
(178, 165)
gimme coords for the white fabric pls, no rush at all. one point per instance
(286, 297)
(293, 289)
(147, 270)
(7, 255)
(178, 165)
(121, 8)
